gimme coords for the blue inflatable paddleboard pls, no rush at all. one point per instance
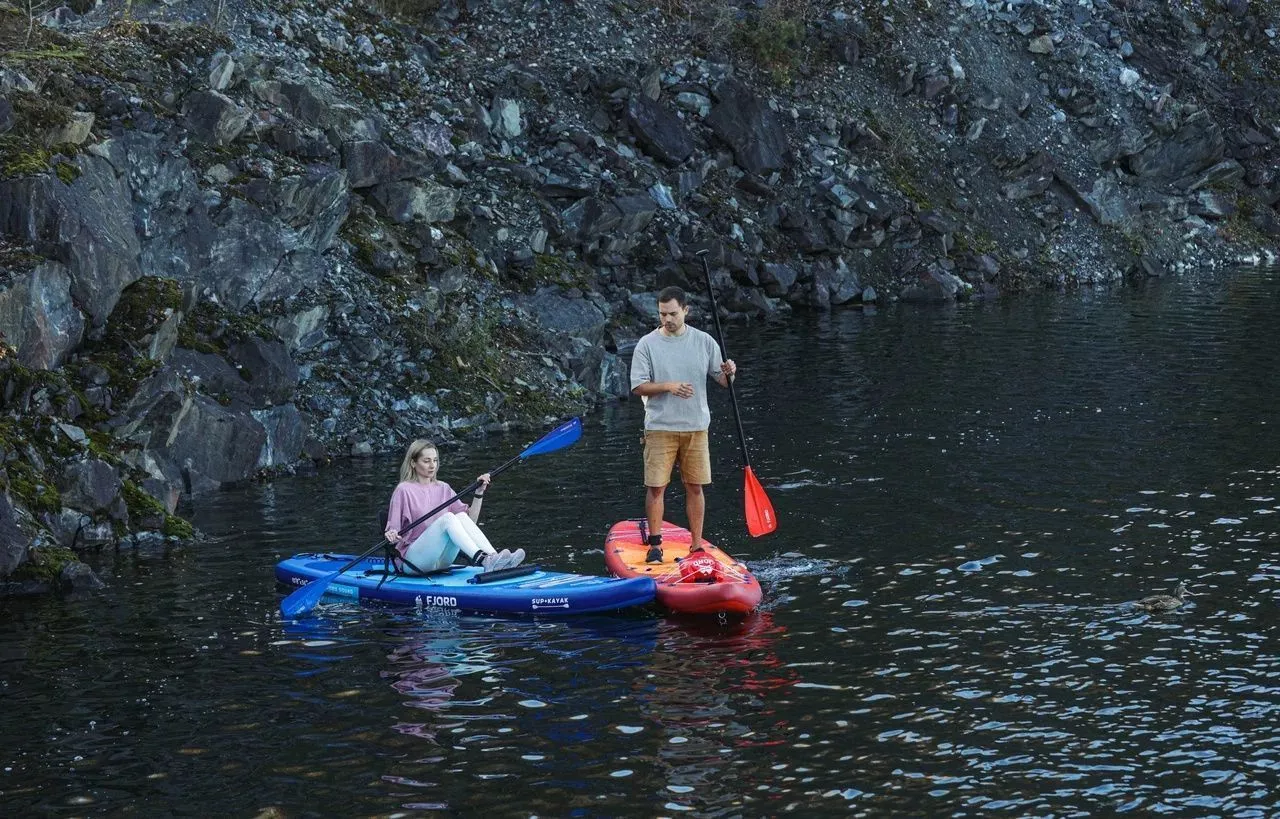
(522, 590)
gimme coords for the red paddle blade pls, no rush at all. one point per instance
(760, 517)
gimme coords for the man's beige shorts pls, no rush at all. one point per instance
(662, 449)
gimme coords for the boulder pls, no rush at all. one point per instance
(38, 316)
(86, 225)
(89, 486)
(404, 202)
(560, 316)
(748, 127)
(1194, 147)
(213, 117)
(14, 541)
(267, 369)
(658, 130)
(286, 433)
(190, 439)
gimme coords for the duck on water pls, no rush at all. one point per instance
(1158, 603)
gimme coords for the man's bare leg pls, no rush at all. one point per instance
(696, 505)
(655, 508)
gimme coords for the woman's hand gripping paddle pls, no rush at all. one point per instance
(759, 511)
(305, 599)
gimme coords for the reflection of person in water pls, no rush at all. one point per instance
(459, 671)
(421, 671)
(701, 675)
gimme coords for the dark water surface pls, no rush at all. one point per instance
(968, 497)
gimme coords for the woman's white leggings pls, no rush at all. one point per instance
(444, 538)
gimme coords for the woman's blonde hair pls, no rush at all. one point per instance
(411, 454)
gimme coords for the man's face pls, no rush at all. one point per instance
(671, 314)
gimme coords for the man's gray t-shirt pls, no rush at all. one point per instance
(690, 357)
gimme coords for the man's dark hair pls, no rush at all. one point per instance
(675, 294)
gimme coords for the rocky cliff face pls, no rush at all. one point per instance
(238, 238)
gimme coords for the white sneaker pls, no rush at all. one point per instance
(517, 557)
(499, 561)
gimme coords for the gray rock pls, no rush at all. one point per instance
(6, 115)
(661, 195)
(307, 100)
(77, 578)
(645, 305)
(842, 283)
(1110, 204)
(89, 486)
(636, 211)
(192, 439)
(213, 117)
(749, 128)
(211, 375)
(1041, 45)
(778, 279)
(14, 540)
(506, 118)
(1225, 174)
(286, 432)
(933, 286)
(303, 330)
(86, 225)
(1032, 184)
(1194, 147)
(404, 202)
(699, 104)
(590, 218)
(1213, 205)
(73, 529)
(39, 317)
(221, 68)
(560, 316)
(270, 373)
(368, 163)
(659, 131)
(74, 131)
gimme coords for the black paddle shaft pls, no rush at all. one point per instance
(733, 397)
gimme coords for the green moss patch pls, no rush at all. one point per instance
(212, 328)
(45, 565)
(31, 488)
(177, 527)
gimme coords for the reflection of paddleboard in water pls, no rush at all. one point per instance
(477, 667)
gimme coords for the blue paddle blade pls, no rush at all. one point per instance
(562, 436)
(304, 599)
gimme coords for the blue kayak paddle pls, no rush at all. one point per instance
(304, 599)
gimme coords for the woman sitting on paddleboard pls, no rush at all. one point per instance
(433, 544)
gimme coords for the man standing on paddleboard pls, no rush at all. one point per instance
(669, 370)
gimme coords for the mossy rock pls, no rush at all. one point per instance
(142, 308)
(23, 160)
(177, 527)
(211, 328)
(141, 505)
(44, 565)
